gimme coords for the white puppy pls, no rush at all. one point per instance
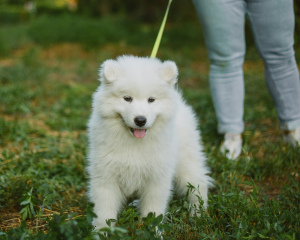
(143, 139)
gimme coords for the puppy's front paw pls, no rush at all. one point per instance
(100, 223)
(195, 211)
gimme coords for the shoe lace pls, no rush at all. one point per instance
(232, 137)
(297, 134)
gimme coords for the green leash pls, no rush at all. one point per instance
(160, 33)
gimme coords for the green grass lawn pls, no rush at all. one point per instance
(46, 83)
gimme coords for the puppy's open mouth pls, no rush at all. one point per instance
(138, 133)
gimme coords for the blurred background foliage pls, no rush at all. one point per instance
(120, 12)
(142, 10)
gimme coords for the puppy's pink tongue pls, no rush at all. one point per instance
(139, 133)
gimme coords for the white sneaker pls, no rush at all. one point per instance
(292, 137)
(232, 145)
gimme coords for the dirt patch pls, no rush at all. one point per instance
(65, 51)
(13, 220)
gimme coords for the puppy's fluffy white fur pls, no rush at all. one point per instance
(145, 161)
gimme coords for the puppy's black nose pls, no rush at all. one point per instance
(140, 121)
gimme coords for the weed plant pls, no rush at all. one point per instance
(46, 82)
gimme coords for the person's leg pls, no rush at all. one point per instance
(223, 26)
(273, 24)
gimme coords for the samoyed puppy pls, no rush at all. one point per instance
(143, 140)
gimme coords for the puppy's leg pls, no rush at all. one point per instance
(155, 196)
(107, 199)
(194, 172)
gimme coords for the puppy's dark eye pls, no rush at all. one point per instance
(127, 98)
(151, 99)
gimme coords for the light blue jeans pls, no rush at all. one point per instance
(273, 23)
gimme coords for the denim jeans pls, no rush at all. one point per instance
(272, 23)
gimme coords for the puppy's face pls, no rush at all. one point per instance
(140, 91)
(138, 114)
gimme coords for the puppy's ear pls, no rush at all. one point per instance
(169, 72)
(110, 70)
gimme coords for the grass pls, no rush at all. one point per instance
(46, 83)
